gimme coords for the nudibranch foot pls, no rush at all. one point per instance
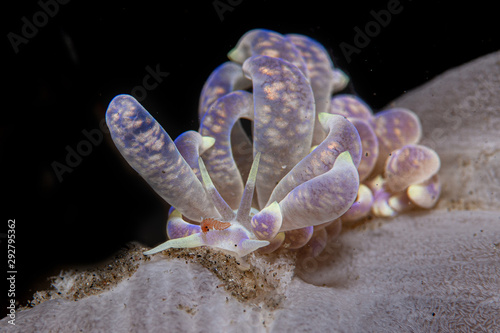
(194, 240)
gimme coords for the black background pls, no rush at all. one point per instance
(61, 81)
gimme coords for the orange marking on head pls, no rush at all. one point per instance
(212, 224)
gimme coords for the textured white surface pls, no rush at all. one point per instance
(161, 294)
(418, 273)
(428, 271)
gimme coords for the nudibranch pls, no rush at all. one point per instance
(312, 160)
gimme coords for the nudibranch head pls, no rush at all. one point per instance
(233, 234)
(311, 161)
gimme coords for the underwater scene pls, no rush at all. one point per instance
(255, 166)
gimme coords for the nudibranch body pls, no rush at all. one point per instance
(311, 159)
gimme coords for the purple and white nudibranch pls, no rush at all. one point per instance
(312, 159)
